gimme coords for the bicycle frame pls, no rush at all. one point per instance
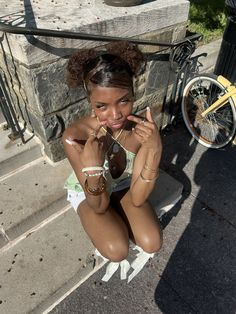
(231, 92)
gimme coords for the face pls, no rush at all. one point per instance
(112, 105)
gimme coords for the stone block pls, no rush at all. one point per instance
(54, 150)
(49, 91)
(91, 18)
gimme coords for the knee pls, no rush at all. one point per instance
(151, 244)
(116, 252)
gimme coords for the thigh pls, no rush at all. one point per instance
(143, 223)
(107, 231)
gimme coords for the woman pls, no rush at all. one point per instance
(115, 155)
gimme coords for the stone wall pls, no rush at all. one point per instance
(33, 67)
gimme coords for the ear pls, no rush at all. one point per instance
(93, 115)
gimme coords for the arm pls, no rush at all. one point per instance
(147, 161)
(80, 156)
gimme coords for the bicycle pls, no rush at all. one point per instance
(209, 110)
(206, 102)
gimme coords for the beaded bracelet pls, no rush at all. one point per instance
(101, 171)
(95, 191)
(96, 174)
(95, 168)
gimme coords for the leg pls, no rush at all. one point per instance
(107, 231)
(143, 223)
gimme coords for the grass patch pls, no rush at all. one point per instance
(207, 17)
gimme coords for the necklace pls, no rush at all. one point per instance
(114, 145)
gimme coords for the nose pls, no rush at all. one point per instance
(116, 113)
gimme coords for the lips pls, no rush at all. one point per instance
(117, 125)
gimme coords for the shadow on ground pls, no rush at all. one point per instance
(201, 269)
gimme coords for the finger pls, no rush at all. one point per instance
(149, 115)
(136, 119)
(142, 135)
(74, 144)
(144, 129)
(94, 133)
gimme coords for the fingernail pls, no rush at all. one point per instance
(132, 129)
(148, 108)
(69, 142)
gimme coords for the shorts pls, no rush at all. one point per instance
(75, 198)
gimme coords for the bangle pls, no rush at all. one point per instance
(95, 191)
(148, 180)
(146, 167)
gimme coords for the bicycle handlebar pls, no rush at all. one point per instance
(84, 36)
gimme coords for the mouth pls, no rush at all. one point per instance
(117, 125)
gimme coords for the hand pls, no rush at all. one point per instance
(92, 153)
(146, 131)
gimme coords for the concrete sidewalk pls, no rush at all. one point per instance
(195, 272)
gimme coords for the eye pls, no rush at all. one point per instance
(124, 100)
(100, 107)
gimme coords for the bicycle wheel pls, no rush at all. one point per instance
(217, 128)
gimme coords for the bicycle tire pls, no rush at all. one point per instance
(216, 129)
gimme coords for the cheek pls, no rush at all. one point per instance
(102, 117)
(128, 110)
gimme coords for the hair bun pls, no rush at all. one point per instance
(76, 65)
(129, 52)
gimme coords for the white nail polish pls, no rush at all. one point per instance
(69, 142)
(148, 108)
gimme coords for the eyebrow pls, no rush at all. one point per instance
(128, 94)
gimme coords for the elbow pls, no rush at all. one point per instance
(136, 201)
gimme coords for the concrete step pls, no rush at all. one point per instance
(49, 262)
(46, 253)
(31, 196)
(15, 154)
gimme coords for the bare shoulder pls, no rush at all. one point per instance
(80, 129)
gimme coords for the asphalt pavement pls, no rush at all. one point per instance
(195, 271)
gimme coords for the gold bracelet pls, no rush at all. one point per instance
(148, 180)
(95, 191)
(146, 167)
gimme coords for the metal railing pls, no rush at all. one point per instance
(84, 36)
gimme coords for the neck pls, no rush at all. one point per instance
(115, 135)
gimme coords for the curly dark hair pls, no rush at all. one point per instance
(115, 67)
